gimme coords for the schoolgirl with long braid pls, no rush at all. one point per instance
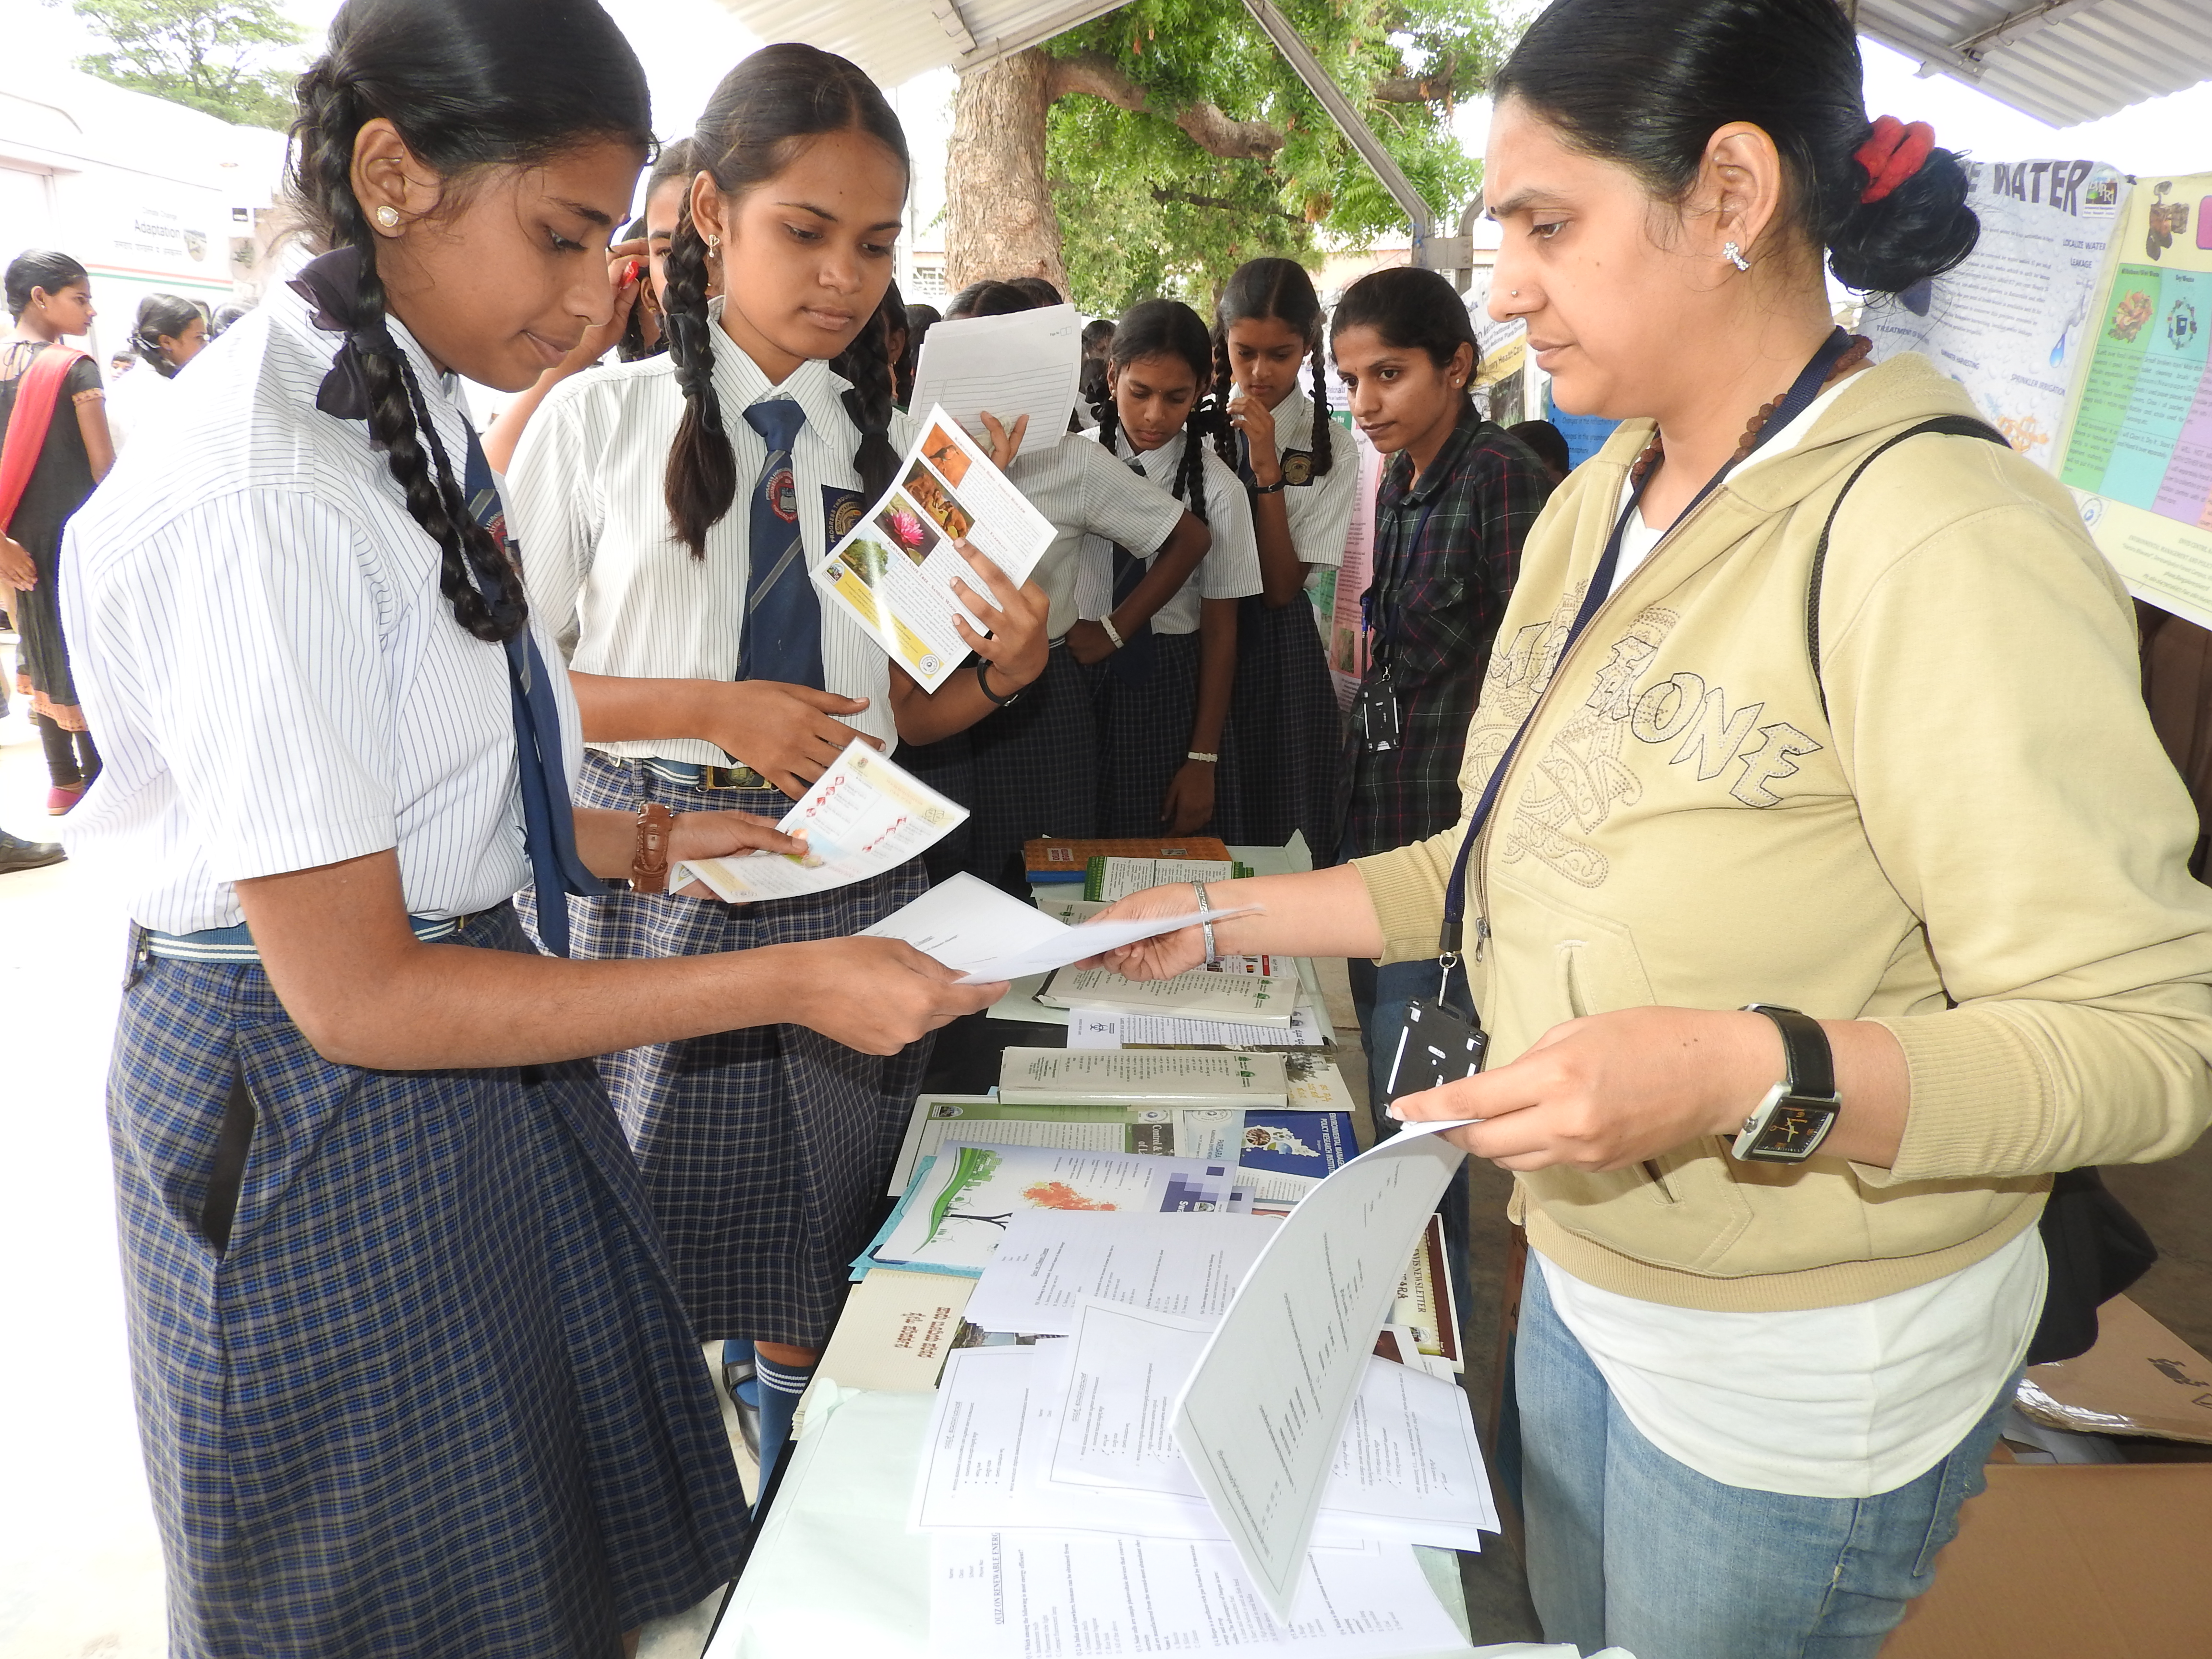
(670, 510)
(1285, 728)
(1161, 698)
(413, 1374)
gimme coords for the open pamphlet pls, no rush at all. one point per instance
(988, 935)
(893, 572)
(1026, 362)
(1238, 999)
(866, 815)
(1165, 1077)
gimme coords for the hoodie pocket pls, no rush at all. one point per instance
(1572, 972)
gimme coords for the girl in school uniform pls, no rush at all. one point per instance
(670, 511)
(1160, 691)
(1031, 767)
(413, 1376)
(1285, 728)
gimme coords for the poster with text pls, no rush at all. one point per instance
(1347, 634)
(2138, 453)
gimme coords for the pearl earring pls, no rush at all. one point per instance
(388, 216)
(1734, 255)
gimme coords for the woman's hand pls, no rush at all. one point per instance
(787, 733)
(725, 834)
(1165, 955)
(1189, 800)
(17, 568)
(1017, 643)
(1005, 445)
(1088, 644)
(879, 994)
(1257, 422)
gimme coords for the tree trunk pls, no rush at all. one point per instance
(999, 218)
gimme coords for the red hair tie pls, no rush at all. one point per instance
(1892, 154)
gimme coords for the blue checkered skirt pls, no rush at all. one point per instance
(765, 1151)
(1285, 730)
(1143, 734)
(438, 1395)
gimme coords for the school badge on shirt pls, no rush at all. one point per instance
(841, 510)
(1297, 467)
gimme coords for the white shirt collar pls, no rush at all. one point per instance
(741, 383)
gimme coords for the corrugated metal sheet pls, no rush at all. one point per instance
(896, 39)
(2063, 61)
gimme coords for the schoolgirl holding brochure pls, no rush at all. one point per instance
(413, 1374)
(672, 511)
(1804, 967)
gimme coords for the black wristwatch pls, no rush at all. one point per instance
(1007, 702)
(1789, 1126)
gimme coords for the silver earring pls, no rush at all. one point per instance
(1734, 255)
(388, 216)
(714, 246)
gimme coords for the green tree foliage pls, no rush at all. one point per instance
(210, 55)
(1145, 210)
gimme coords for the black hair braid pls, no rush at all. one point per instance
(330, 114)
(866, 363)
(701, 481)
(1109, 418)
(1190, 472)
(1224, 437)
(1323, 441)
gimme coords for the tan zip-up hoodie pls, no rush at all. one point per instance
(1984, 816)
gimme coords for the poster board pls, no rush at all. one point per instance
(2137, 451)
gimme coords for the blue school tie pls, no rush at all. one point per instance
(783, 615)
(549, 819)
(1132, 663)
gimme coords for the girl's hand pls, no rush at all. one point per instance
(1164, 955)
(1088, 644)
(1190, 798)
(1018, 642)
(727, 835)
(787, 733)
(1005, 445)
(879, 994)
(1257, 422)
(17, 568)
(1613, 1089)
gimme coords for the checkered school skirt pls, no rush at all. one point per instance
(765, 1151)
(438, 1395)
(1143, 734)
(1286, 730)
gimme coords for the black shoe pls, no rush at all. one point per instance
(16, 853)
(734, 1378)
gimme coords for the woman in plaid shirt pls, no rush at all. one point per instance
(1457, 500)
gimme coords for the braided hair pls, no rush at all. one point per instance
(468, 85)
(752, 126)
(1278, 291)
(1167, 328)
(159, 314)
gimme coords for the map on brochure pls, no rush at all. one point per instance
(866, 815)
(893, 572)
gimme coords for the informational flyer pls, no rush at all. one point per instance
(893, 572)
(1347, 633)
(2138, 455)
(2012, 323)
(866, 815)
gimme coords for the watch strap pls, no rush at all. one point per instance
(1810, 1063)
(648, 866)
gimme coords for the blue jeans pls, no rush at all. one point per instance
(1629, 1547)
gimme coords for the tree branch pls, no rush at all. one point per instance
(1191, 199)
(1205, 124)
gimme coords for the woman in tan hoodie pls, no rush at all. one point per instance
(1787, 1262)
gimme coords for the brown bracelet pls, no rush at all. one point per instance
(649, 868)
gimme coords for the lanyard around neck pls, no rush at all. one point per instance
(1792, 404)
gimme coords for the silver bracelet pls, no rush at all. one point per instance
(1200, 755)
(1206, 905)
(1112, 632)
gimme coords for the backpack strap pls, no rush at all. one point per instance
(1954, 425)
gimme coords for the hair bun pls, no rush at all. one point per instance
(1921, 228)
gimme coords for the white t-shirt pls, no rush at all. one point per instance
(135, 398)
(586, 504)
(1319, 507)
(260, 641)
(1230, 569)
(1822, 1403)
(1086, 492)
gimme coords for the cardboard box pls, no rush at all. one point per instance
(2072, 1562)
(2140, 1379)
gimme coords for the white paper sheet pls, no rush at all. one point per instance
(1028, 362)
(989, 936)
(1196, 994)
(1261, 1418)
(1117, 1027)
(1051, 1260)
(1038, 1595)
(866, 815)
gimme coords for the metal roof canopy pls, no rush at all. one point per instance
(2061, 61)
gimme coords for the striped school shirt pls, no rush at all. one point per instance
(1319, 508)
(1085, 493)
(1230, 569)
(261, 644)
(586, 504)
